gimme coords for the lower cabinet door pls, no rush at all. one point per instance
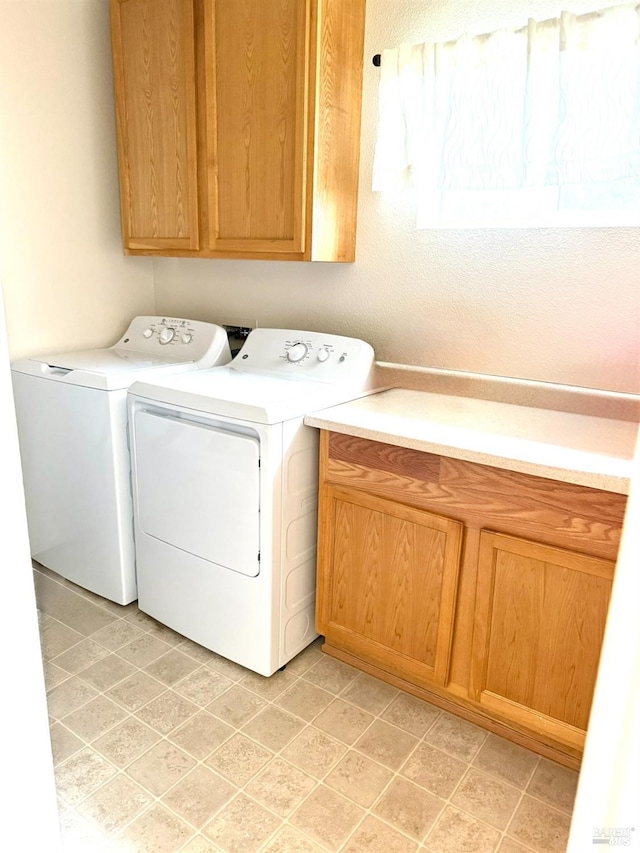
(387, 583)
(539, 625)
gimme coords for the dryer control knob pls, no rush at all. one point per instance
(186, 339)
(167, 334)
(147, 333)
(297, 352)
(323, 354)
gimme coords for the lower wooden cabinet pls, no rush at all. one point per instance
(482, 590)
(389, 581)
(539, 623)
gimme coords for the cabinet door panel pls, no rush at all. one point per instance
(257, 82)
(389, 578)
(518, 598)
(358, 538)
(154, 77)
(540, 617)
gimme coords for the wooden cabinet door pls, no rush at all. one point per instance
(540, 617)
(257, 81)
(387, 583)
(154, 78)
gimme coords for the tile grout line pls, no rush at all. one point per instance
(395, 775)
(180, 645)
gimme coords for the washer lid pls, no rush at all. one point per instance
(106, 369)
(243, 396)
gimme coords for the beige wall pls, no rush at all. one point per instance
(66, 282)
(552, 305)
(31, 821)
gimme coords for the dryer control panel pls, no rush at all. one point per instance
(294, 354)
(176, 338)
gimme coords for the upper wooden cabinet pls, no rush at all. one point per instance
(239, 126)
(155, 73)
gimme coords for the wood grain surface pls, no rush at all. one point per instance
(338, 66)
(154, 80)
(540, 614)
(548, 511)
(239, 126)
(257, 67)
(536, 565)
(389, 584)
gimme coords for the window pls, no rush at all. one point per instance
(538, 126)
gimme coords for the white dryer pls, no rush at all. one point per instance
(72, 424)
(225, 490)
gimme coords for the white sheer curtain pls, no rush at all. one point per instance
(535, 126)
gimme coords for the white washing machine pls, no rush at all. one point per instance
(72, 424)
(225, 491)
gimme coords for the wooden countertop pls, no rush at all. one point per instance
(590, 451)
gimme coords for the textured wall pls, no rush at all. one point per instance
(66, 282)
(553, 305)
(24, 729)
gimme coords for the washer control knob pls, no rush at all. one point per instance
(186, 339)
(147, 333)
(323, 354)
(297, 352)
(167, 334)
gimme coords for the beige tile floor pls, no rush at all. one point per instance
(161, 746)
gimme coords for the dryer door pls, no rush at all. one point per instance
(197, 487)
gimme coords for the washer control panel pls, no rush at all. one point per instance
(174, 337)
(297, 352)
(305, 355)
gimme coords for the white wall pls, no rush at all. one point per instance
(30, 814)
(608, 797)
(552, 305)
(67, 284)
